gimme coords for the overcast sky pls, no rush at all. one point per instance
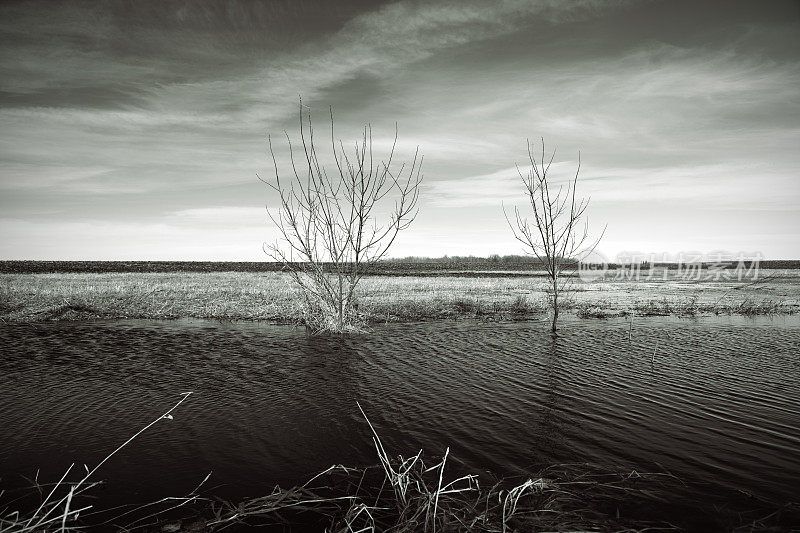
(135, 130)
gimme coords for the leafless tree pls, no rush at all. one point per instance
(555, 235)
(336, 220)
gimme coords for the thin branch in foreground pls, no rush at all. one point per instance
(54, 510)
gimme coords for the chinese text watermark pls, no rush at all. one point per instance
(684, 266)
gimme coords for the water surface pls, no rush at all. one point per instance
(717, 405)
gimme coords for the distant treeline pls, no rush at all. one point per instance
(407, 265)
(393, 266)
(404, 266)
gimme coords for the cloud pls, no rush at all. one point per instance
(219, 217)
(104, 106)
(707, 186)
(374, 43)
(156, 113)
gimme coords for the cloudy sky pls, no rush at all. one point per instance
(135, 130)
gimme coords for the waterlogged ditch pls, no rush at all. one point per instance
(712, 401)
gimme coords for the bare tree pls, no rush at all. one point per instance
(337, 221)
(554, 235)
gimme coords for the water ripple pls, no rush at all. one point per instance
(718, 403)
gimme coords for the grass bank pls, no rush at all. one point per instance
(269, 296)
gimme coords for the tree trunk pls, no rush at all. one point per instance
(555, 304)
(340, 297)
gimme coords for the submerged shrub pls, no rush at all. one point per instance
(330, 234)
(465, 306)
(520, 304)
(318, 315)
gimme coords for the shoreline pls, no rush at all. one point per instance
(382, 299)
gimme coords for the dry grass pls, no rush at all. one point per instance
(407, 495)
(398, 495)
(598, 311)
(404, 494)
(269, 296)
(162, 296)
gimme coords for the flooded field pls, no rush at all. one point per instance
(712, 400)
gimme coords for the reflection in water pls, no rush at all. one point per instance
(718, 405)
(550, 424)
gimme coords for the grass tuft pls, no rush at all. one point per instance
(405, 494)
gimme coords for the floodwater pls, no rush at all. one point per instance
(715, 401)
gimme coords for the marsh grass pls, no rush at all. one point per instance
(241, 296)
(692, 306)
(687, 306)
(751, 307)
(597, 311)
(269, 296)
(405, 494)
(399, 494)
